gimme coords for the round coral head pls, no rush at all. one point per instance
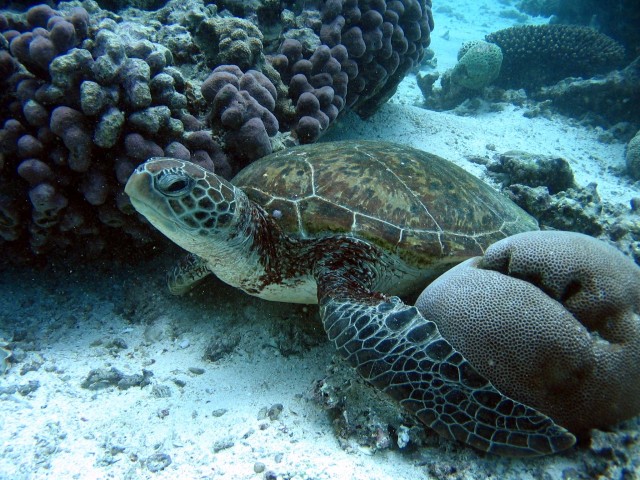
(552, 319)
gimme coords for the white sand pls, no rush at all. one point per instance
(64, 431)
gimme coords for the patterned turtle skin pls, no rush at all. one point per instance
(350, 226)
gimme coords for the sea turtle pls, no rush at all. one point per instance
(348, 225)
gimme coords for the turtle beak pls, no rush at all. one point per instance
(144, 197)
(139, 185)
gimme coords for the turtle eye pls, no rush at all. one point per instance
(173, 184)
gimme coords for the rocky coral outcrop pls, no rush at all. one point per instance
(532, 170)
(544, 186)
(581, 209)
(603, 100)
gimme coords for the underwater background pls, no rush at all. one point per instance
(106, 375)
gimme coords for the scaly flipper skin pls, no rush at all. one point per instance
(397, 350)
(186, 274)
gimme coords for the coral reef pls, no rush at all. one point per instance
(537, 55)
(87, 96)
(344, 54)
(229, 40)
(317, 87)
(87, 105)
(576, 355)
(386, 39)
(117, 5)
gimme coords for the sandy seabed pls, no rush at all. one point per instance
(254, 412)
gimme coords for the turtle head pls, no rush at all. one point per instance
(187, 203)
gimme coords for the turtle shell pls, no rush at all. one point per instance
(411, 203)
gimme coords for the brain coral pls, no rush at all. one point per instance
(478, 65)
(535, 55)
(552, 319)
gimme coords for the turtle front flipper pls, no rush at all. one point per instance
(186, 274)
(397, 350)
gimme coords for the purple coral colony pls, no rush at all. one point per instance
(87, 96)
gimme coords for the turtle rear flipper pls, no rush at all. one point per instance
(397, 350)
(186, 274)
